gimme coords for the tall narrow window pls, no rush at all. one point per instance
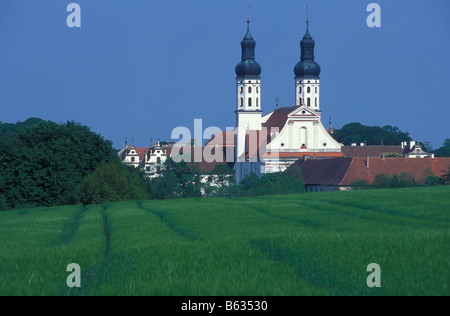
(316, 101)
(316, 89)
(300, 90)
(309, 101)
(249, 89)
(309, 89)
(242, 89)
(257, 102)
(300, 101)
(257, 89)
(249, 101)
(242, 101)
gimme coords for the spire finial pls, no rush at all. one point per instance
(307, 15)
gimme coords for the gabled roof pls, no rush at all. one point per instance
(324, 171)
(345, 171)
(370, 151)
(279, 117)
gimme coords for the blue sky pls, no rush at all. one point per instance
(141, 68)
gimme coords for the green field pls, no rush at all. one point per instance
(305, 244)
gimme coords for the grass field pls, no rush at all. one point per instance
(306, 244)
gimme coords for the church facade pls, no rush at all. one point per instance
(271, 143)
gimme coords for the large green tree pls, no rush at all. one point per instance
(7, 129)
(43, 164)
(371, 135)
(112, 182)
(287, 182)
(177, 180)
(444, 150)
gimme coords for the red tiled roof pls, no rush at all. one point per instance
(346, 170)
(225, 139)
(279, 117)
(141, 152)
(303, 154)
(415, 166)
(324, 171)
(371, 151)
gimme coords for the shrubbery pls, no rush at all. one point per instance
(402, 180)
(184, 180)
(112, 182)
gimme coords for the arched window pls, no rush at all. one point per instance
(299, 89)
(309, 89)
(300, 101)
(316, 101)
(242, 89)
(249, 89)
(249, 101)
(242, 101)
(257, 102)
(257, 89)
(309, 101)
(316, 89)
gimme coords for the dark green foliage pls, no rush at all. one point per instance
(360, 185)
(445, 178)
(429, 178)
(444, 150)
(394, 181)
(287, 182)
(221, 182)
(3, 203)
(371, 135)
(177, 180)
(112, 182)
(7, 129)
(391, 155)
(43, 164)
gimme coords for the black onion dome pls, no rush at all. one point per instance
(248, 67)
(307, 68)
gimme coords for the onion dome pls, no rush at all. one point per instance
(307, 68)
(248, 67)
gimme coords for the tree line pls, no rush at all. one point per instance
(387, 135)
(43, 163)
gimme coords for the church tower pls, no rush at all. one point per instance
(307, 71)
(248, 86)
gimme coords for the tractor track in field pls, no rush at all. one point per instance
(367, 217)
(70, 228)
(93, 274)
(383, 212)
(301, 262)
(179, 231)
(287, 218)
